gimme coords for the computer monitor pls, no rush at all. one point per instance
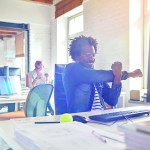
(10, 85)
(14, 71)
(10, 80)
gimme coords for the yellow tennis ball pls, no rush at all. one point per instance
(66, 118)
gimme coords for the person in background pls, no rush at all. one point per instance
(37, 76)
(86, 88)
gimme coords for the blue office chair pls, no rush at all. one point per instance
(38, 98)
(59, 93)
(36, 103)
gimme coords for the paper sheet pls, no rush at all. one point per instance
(64, 136)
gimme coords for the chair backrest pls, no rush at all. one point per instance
(59, 92)
(37, 100)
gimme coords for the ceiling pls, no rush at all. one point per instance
(8, 33)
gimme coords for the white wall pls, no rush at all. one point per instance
(38, 16)
(136, 40)
(24, 12)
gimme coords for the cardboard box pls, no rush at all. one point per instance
(137, 94)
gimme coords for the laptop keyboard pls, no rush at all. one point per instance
(116, 116)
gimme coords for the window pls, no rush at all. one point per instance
(75, 24)
(75, 28)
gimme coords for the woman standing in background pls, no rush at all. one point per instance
(37, 76)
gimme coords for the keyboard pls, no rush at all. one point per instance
(116, 116)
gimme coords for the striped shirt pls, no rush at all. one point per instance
(96, 102)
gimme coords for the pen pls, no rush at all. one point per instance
(103, 137)
(100, 137)
(46, 122)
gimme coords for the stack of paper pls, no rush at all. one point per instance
(65, 136)
(137, 136)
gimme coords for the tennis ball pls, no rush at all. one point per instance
(66, 118)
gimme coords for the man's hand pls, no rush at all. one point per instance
(39, 75)
(135, 73)
(46, 75)
(117, 71)
(116, 68)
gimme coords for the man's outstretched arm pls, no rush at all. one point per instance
(134, 74)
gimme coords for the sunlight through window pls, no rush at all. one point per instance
(75, 24)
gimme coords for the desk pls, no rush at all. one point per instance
(138, 102)
(7, 128)
(13, 99)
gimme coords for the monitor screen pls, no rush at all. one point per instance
(14, 72)
(10, 85)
